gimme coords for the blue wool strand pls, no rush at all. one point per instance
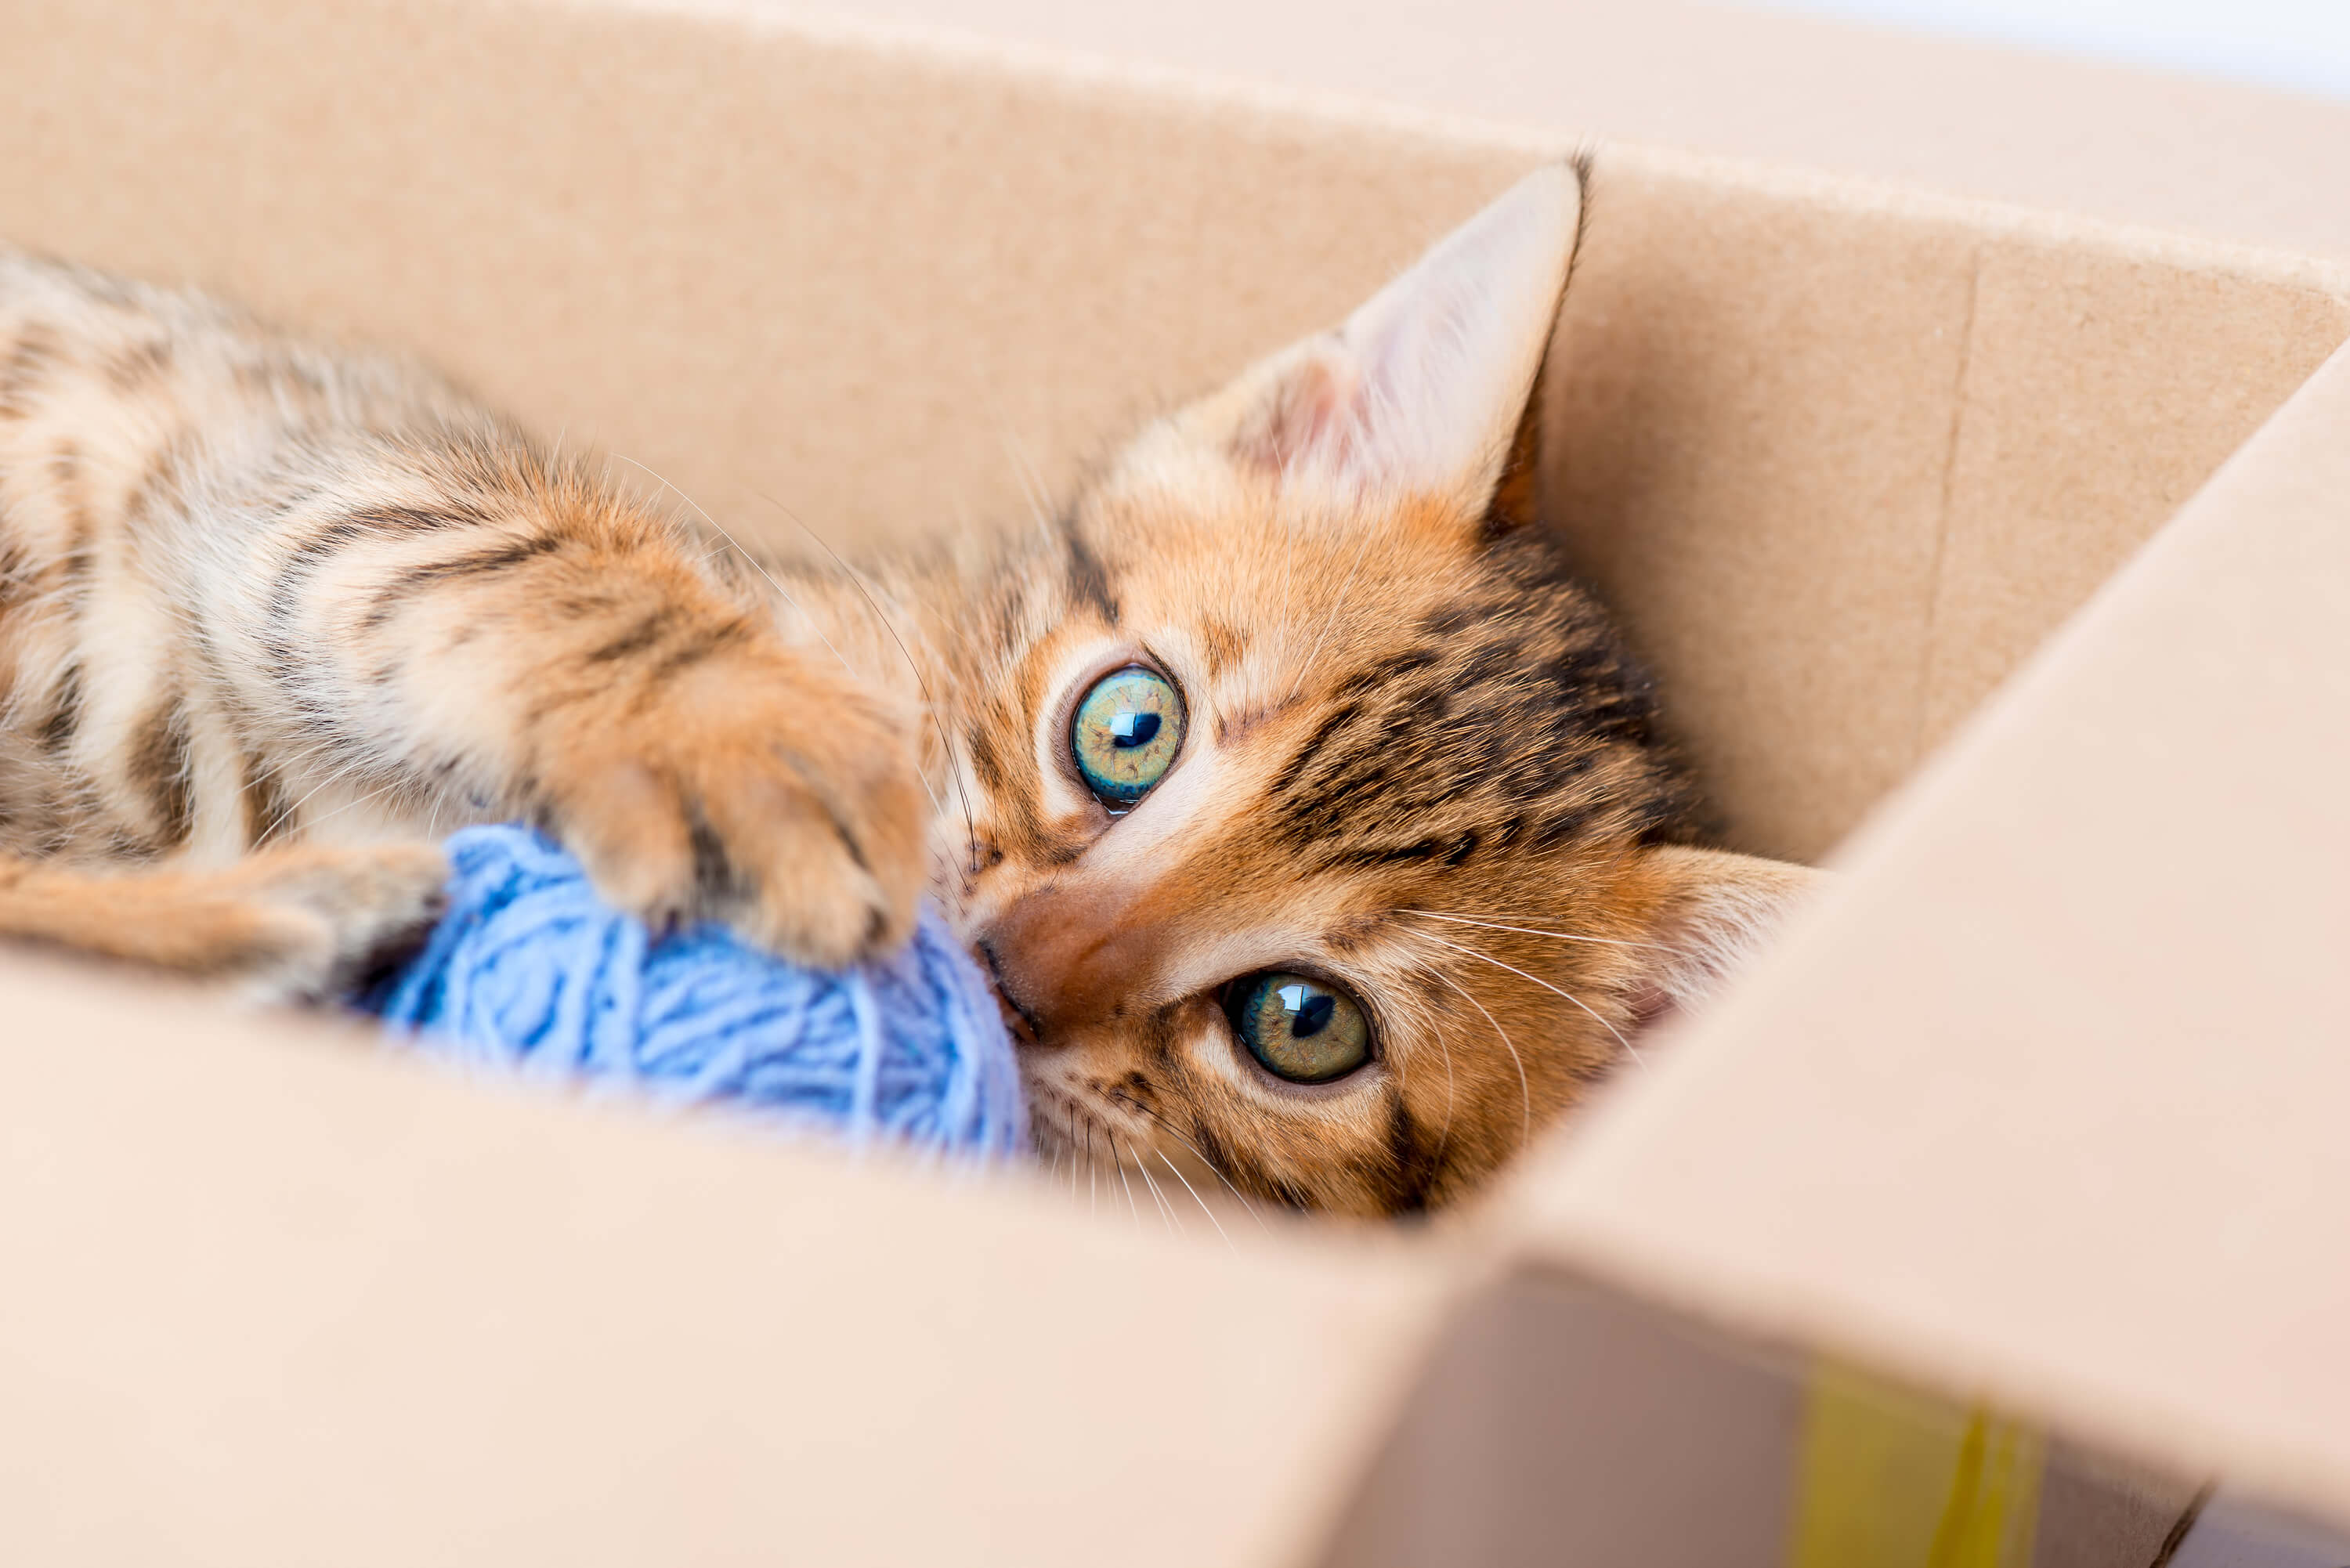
(529, 971)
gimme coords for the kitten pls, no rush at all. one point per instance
(1313, 822)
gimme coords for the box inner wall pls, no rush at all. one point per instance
(1840, 457)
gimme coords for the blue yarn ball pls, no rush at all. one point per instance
(529, 971)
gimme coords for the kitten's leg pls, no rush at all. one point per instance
(534, 645)
(301, 922)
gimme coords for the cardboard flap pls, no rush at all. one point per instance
(1842, 457)
(2188, 152)
(2046, 1101)
(1558, 1423)
(270, 1300)
(279, 1300)
(808, 272)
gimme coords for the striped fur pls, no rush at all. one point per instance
(253, 593)
(273, 618)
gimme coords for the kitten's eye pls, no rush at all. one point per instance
(1301, 1029)
(1126, 735)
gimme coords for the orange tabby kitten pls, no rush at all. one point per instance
(1313, 822)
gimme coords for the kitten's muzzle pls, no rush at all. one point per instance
(1016, 1019)
(1064, 965)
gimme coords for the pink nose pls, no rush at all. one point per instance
(1066, 961)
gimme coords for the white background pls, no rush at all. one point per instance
(2303, 44)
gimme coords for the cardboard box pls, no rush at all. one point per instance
(1767, 82)
(2037, 1115)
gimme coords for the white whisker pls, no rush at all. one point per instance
(1561, 936)
(1554, 990)
(1202, 1202)
(785, 594)
(1166, 1209)
(1444, 1137)
(1032, 482)
(946, 748)
(1526, 1094)
(335, 777)
(1118, 1161)
(311, 826)
(1213, 1170)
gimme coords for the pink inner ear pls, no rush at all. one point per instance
(1651, 1004)
(1312, 417)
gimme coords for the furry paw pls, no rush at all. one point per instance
(296, 924)
(325, 916)
(766, 791)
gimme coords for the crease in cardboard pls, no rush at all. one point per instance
(1927, 636)
(1560, 1421)
(2181, 1528)
(1996, 221)
(1057, 67)
(2161, 1083)
(668, 1342)
(451, 179)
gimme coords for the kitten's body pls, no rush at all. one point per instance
(273, 618)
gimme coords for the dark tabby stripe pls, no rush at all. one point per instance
(1088, 581)
(138, 365)
(386, 601)
(15, 572)
(159, 767)
(266, 810)
(704, 644)
(1414, 1170)
(56, 731)
(637, 639)
(35, 354)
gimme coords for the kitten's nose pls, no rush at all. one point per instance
(1062, 961)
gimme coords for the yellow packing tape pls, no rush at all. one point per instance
(1890, 1479)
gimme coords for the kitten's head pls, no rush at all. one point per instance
(1321, 825)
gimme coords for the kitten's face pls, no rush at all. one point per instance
(1320, 828)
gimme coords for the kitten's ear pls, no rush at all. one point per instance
(1714, 910)
(1422, 390)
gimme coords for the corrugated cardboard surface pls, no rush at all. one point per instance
(1559, 1423)
(274, 1292)
(2140, 147)
(2101, 390)
(1753, 412)
(2048, 1099)
(888, 287)
(1843, 457)
(863, 279)
(273, 1299)
(2230, 1532)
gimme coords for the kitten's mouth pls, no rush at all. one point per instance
(1016, 1018)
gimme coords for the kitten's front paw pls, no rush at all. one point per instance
(330, 913)
(767, 792)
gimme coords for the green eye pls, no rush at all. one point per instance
(1301, 1029)
(1126, 735)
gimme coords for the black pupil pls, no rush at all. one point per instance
(1313, 1017)
(1130, 730)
